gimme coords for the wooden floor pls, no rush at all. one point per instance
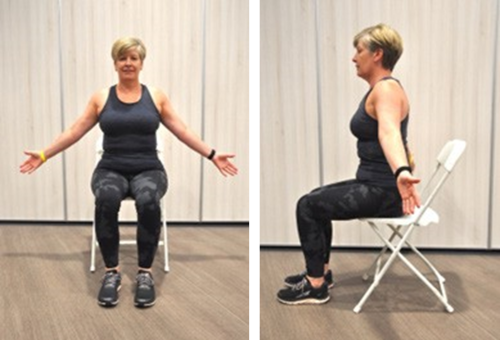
(47, 291)
(402, 307)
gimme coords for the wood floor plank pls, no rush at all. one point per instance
(402, 307)
(49, 293)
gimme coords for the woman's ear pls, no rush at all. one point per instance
(378, 55)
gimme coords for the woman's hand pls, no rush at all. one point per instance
(32, 163)
(408, 191)
(224, 165)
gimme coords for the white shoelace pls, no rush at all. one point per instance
(111, 279)
(144, 280)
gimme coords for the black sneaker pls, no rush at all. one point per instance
(304, 293)
(145, 290)
(111, 284)
(292, 280)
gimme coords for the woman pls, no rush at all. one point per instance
(129, 114)
(384, 185)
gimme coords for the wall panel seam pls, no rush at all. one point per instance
(493, 129)
(203, 94)
(318, 93)
(61, 103)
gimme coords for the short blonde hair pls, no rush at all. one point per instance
(383, 37)
(122, 45)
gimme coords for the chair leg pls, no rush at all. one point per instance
(375, 267)
(387, 264)
(166, 267)
(165, 247)
(92, 249)
(422, 257)
(441, 295)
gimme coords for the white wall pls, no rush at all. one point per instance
(446, 69)
(190, 46)
(289, 114)
(30, 112)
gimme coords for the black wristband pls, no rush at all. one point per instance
(212, 154)
(401, 169)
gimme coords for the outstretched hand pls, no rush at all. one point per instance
(407, 189)
(225, 166)
(32, 163)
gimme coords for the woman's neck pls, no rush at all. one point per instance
(377, 76)
(129, 86)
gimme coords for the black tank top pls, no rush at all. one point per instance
(373, 166)
(129, 134)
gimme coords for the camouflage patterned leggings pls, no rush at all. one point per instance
(146, 188)
(340, 201)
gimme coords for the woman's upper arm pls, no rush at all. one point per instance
(389, 107)
(168, 116)
(90, 116)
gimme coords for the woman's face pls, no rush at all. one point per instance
(129, 64)
(363, 60)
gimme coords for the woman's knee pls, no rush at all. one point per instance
(109, 188)
(147, 201)
(109, 199)
(303, 204)
(313, 206)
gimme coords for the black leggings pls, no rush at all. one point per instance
(146, 188)
(340, 201)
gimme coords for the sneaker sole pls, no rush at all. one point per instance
(311, 301)
(109, 304)
(144, 305)
(290, 285)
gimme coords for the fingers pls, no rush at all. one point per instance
(226, 155)
(225, 167)
(28, 168)
(417, 199)
(32, 153)
(410, 203)
(408, 180)
(24, 167)
(408, 206)
(32, 163)
(232, 169)
(414, 180)
(228, 169)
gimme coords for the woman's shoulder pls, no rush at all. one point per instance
(157, 94)
(388, 87)
(159, 97)
(100, 94)
(99, 98)
(153, 90)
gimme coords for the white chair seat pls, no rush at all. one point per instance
(429, 216)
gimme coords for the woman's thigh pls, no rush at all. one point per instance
(353, 199)
(149, 186)
(109, 185)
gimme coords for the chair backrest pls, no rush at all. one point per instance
(446, 161)
(451, 153)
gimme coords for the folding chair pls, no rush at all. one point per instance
(422, 217)
(163, 243)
